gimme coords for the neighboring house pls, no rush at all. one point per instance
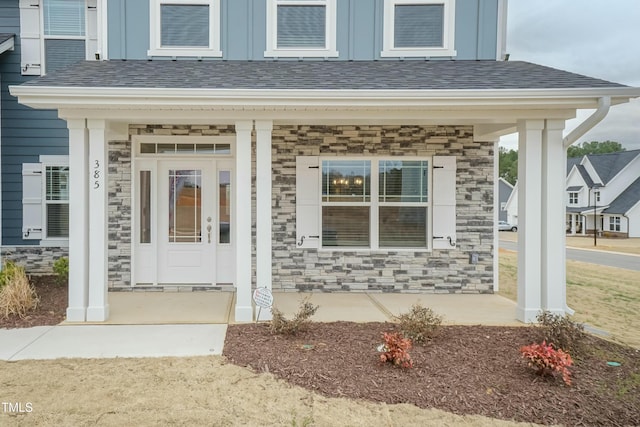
(324, 145)
(511, 206)
(607, 184)
(604, 187)
(504, 191)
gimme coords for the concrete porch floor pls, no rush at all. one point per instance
(142, 308)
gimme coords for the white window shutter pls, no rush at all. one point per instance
(444, 202)
(32, 201)
(30, 33)
(307, 202)
(92, 30)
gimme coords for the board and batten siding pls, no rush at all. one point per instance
(359, 29)
(26, 133)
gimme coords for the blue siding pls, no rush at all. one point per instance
(359, 29)
(26, 133)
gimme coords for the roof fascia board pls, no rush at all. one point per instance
(7, 45)
(591, 170)
(625, 168)
(307, 115)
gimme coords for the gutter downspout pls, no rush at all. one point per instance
(604, 103)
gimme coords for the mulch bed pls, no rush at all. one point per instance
(465, 370)
(51, 309)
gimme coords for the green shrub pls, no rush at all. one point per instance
(61, 269)
(300, 322)
(17, 295)
(560, 331)
(420, 324)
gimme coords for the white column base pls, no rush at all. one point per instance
(97, 314)
(526, 315)
(244, 313)
(76, 314)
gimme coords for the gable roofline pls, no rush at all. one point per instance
(506, 182)
(585, 161)
(612, 164)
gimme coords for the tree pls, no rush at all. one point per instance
(594, 147)
(508, 165)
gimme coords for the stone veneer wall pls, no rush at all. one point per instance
(35, 259)
(442, 271)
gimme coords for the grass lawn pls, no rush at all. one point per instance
(605, 297)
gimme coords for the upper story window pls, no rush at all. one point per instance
(423, 28)
(56, 33)
(301, 28)
(573, 198)
(597, 193)
(185, 28)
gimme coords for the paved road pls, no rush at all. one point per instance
(629, 262)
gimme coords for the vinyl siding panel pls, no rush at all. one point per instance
(26, 133)
(359, 29)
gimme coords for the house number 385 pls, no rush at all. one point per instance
(96, 174)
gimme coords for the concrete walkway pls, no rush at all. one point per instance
(159, 324)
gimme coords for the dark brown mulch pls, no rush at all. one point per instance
(51, 309)
(465, 370)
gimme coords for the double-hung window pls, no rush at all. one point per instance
(57, 33)
(185, 28)
(418, 28)
(379, 203)
(389, 211)
(573, 198)
(301, 28)
(614, 223)
(45, 200)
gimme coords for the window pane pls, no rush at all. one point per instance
(64, 17)
(57, 220)
(225, 206)
(60, 53)
(403, 181)
(301, 26)
(57, 182)
(184, 25)
(185, 202)
(345, 226)
(346, 180)
(145, 206)
(419, 25)
(403, 227)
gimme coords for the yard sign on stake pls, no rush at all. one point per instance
(263, 299)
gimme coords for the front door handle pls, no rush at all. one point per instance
(209, 233)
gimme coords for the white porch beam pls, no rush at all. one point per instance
(78, 221)
(98, 309)
(529, 219)
(263, 208)
(554, 239)
(244, 308)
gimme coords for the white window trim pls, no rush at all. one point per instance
(48, 160)
(577, 197)
(329, 51)
(615, 223)
(447, 49)
(155, 47)
(374, 205)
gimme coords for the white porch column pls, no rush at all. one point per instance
(263, 208)
(554, 238)
(244, 308)
(529, 219)
(78, 221)
(98, 309)
(573, 224)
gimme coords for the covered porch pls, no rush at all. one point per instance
(100, 111)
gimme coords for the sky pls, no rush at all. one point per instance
(597, 38)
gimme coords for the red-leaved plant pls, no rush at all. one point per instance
(396, 350)
(548, 360)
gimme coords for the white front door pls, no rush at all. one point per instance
(186, 222)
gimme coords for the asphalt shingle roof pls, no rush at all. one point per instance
(609, 165)
(5, 36)
(585, 175)
(324, 75)
(626, 200)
